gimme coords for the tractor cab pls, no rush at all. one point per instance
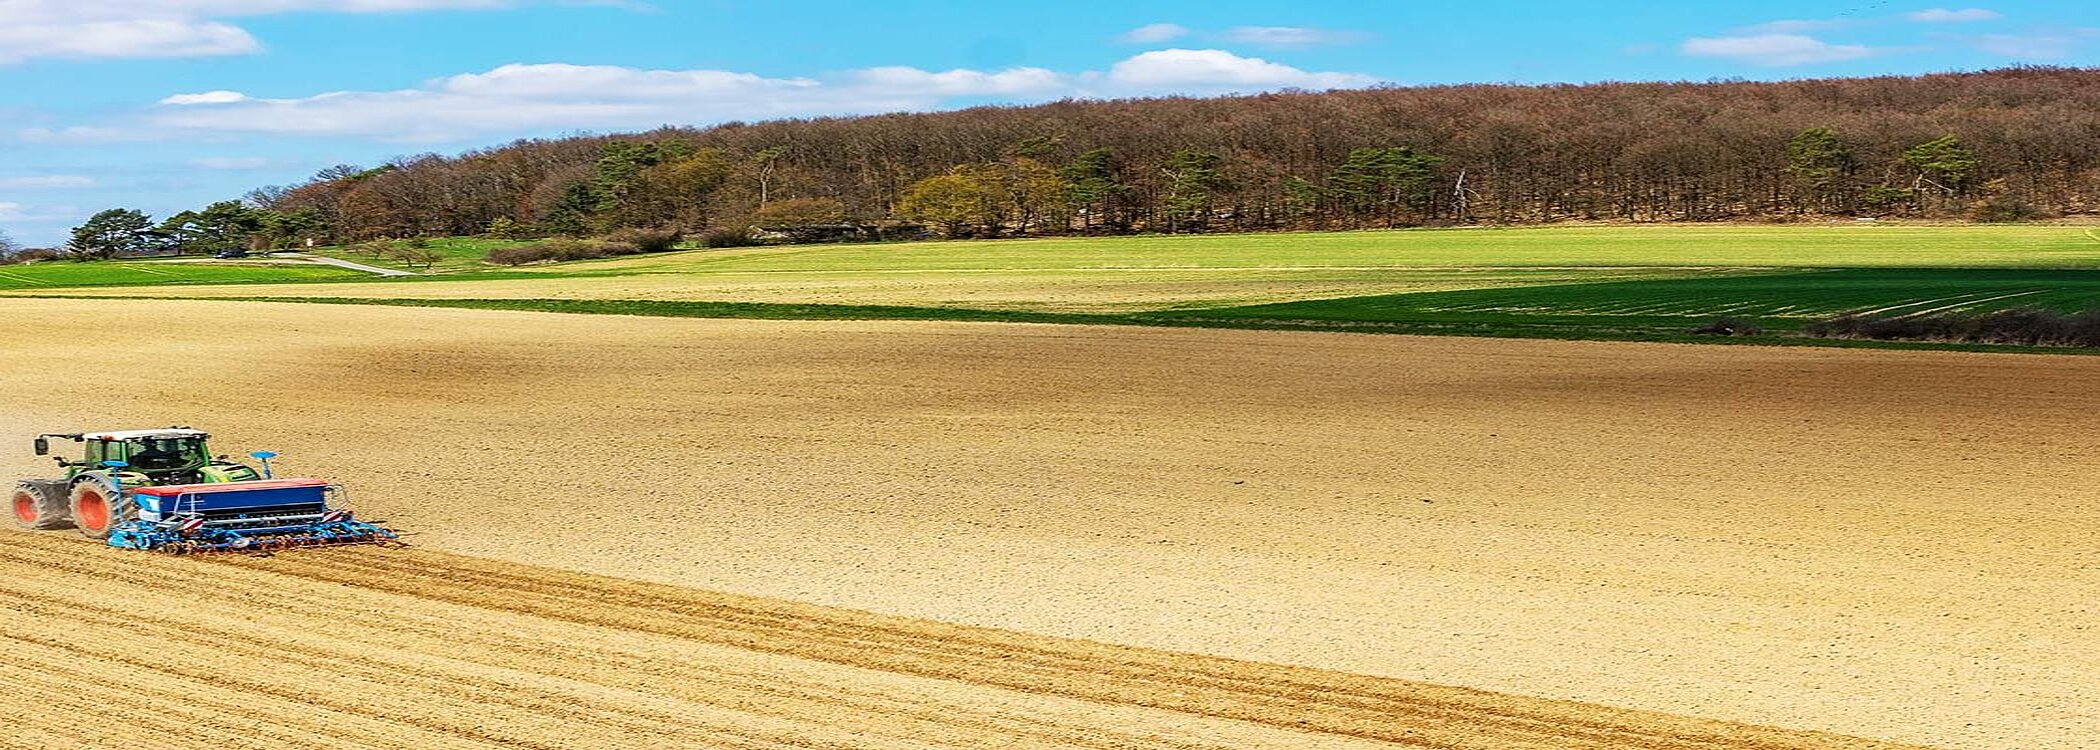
(175, 455)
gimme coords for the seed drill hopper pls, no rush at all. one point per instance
(163, 490)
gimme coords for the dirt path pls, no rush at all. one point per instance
(352, 265)
(419, 650)
(1890, 545)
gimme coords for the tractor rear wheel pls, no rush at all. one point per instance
(39, 506)
(99, 508)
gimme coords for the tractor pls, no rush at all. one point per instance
(164, 490)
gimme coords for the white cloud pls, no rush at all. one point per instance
(1210, 68)
(1292, 36)
(539, 98)
(1152, 33)
(1775, 50)
(208, 97)
(46, 182)
(139, 38)
(109, 29)
(1943, 15)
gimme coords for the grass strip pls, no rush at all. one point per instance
(1572, 331)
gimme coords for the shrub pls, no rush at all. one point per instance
(647, 240)
(2025, 326)
(2001, 209)
(560, 249)
(725, 237)
(32, 255)
(1730, 326)
(517, 255)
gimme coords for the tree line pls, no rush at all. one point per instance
(2008, 144)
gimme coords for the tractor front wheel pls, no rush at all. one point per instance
(99, 508)
(39, 506)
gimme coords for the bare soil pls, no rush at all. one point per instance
(418, 649)
(1893, 545)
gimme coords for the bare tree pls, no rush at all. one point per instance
(1508, 154)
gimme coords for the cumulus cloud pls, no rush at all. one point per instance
(1775, 50)
(46, 182)
(140, 38)
(1292, 36)
(1944, 15)
(1210, 68)
(1157, 32)
(521, 98)
(208, 97)
(107, 29)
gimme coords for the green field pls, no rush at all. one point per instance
(1646, 282)
(68, 275)
(1779, 302)
(454, 254)
(1807, 246)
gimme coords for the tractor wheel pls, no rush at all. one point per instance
(98, 508)
(38, 506)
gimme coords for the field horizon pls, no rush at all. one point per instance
(1644, 282)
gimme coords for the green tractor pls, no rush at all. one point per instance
(94, 495)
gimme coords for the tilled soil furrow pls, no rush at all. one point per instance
(367, 628)
(419, 682)
(97, 697)
(1343, 704)
(415, 689)
(626, 711)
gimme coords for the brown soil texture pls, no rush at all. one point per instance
(1883, 544)
(418, 649)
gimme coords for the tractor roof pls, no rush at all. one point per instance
(161, 434)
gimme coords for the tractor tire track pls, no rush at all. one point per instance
(418, 649)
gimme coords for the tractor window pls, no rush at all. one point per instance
(97, 452)
(167, 454)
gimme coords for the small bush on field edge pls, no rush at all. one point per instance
(2025, 326)
(623, 242)
(1730, 326)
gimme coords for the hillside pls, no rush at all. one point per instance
(2005, 144)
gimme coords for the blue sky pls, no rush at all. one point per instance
(169, 104)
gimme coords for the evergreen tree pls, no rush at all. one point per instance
(571, 214)
(1819, 161)
(1193, 181)
(1945, 162)
(1381, 182)
(117, 231)
(1094, 187)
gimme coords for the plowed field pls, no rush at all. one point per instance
(1879, 544)
(369, 648)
